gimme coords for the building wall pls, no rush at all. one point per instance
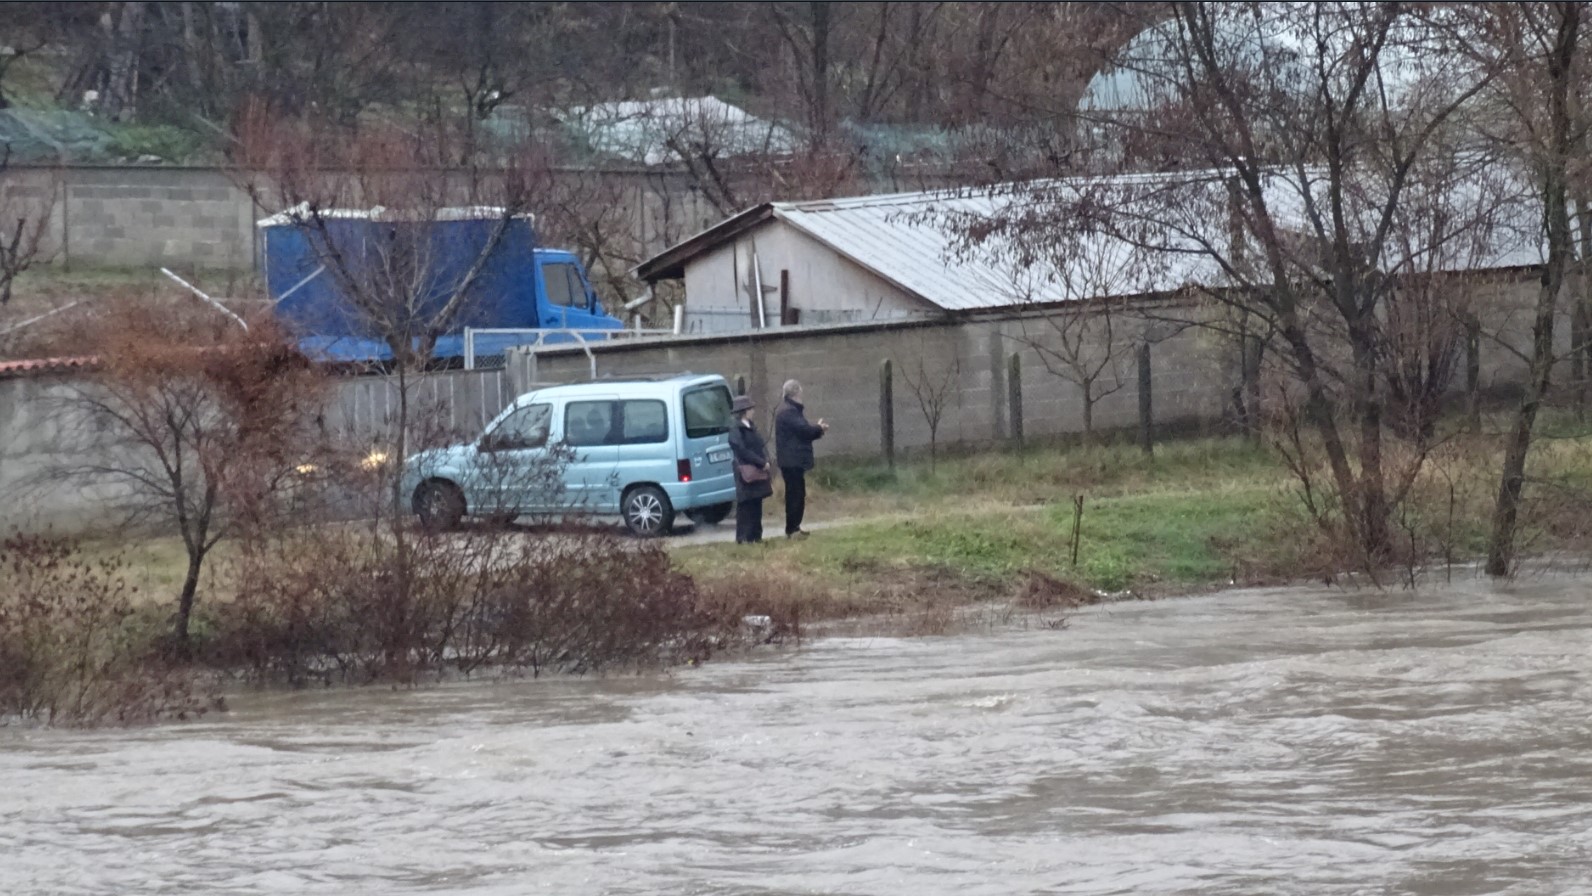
(123, 216)
(44, 433)
(840, 366)
(825, 286)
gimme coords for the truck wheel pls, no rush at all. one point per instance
(439, 504)
(711, 515)
(647, 511)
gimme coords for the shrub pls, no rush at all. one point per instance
(350, 603)
(68, 651)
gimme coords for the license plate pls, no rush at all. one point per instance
(719, 455)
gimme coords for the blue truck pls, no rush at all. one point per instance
(521, 286)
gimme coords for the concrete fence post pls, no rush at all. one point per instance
(1473, 372)
(887, 412)
(1014, 397)
(1146, 411)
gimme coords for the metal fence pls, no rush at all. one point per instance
(460, 402)
(484, 347)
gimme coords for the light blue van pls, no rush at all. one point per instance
(644, 449)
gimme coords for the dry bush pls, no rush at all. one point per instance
(1039, 591)
(788, 598)
(326, 603)
(70, 651)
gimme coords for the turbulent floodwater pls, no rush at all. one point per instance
(1260, 742)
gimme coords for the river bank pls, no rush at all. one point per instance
(924, 549)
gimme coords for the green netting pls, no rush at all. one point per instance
(37, 135)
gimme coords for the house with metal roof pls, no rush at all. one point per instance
(1045, 243)
(893, 257)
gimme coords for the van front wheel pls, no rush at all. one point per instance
(647, 511)
(439, 505)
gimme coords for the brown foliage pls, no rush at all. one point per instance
(70, 652)
(201, 425)
(326, 604)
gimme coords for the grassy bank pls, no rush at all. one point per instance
(999, 526)
(1196, 513)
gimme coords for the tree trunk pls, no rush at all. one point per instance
(1088, 412)
(1373, 504)
(1556, 217)
(820, 74)
(185, 601)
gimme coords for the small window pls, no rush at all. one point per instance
(524, 428)
(645, 422)
(707, 411)
(588, 423)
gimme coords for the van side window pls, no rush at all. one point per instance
(608, 422)
(707, 411)
(564, 286)
(645, 422)
(588, 422)
(524, 428)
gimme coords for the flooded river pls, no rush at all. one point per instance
(1260, 742)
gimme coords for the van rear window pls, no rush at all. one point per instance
(707, 411)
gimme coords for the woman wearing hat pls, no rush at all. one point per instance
(752, 482)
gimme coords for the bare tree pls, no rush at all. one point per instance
(1539, 43)
(1307, 151)
(201, 425)
(24, 222)
(934, 377)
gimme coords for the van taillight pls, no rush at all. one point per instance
(684, 467)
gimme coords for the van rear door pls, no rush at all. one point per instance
(705, 410)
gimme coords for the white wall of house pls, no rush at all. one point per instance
(824, 285)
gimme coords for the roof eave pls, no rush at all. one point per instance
(670, 263)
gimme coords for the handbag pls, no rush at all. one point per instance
(751, 472)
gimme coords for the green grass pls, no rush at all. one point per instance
(1195, 513)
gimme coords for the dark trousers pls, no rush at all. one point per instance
(795, 497)
(749, 521)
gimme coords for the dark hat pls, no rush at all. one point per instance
(742, 403)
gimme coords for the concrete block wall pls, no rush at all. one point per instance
(154, 216)
(199, 217)
(839, 370)
(43, 434)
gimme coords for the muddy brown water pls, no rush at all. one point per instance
(1298, 741)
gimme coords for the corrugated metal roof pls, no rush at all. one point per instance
(1162, 227)
(917, 241)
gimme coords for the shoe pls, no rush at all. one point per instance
(799, 534)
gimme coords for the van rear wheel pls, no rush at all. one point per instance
(647, 511)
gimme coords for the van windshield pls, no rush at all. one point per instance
(707, 411)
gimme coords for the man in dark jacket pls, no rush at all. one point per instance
(793, 441)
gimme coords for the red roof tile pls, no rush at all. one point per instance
(46, 366)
